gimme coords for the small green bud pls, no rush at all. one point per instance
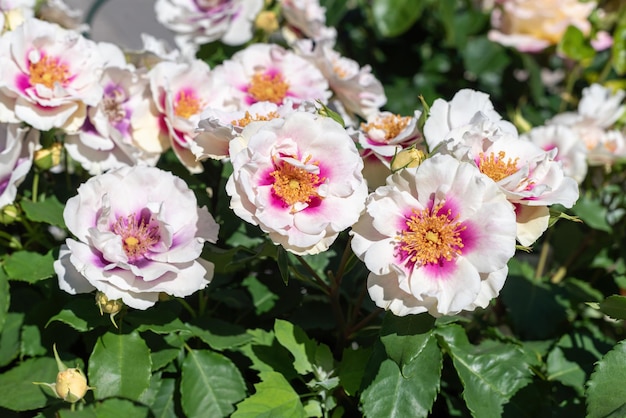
(9, 214)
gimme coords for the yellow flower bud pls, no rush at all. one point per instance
(9, 214)
(108, 306)
(49, 157)
(266, 21)
(407, 158)
(71, 385)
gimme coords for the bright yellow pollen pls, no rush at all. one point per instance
(48, 71)
(268, 88)
(392, 125)
(295, 185)
(248, 118)
(187, 105)
(137, 235)
(495, 167)
(431, 237)
(131, 242)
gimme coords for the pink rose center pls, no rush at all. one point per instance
(138, 233)
(432, 236)
(48, 71)
(496, 167)
(269, 87)
(295, 184)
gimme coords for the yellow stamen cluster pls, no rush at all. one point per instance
(186, 105)
(137, 235)
(392, 125)
(248, 118)
(431, 236)
(48, 71)
(495, 167)
(295, 184)
(268, 88)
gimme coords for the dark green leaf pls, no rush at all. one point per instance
(28, 266)
(120, 366)
(163, 405)
(219, 335)
(82, 314)
(592, 213)
(404, 337)
(406, 392)
(614, 306)
(116, 408)
(211, 385)
(49, 211)
(606, 391)
(394, 17)
(274, 397)
(262, 297)
(491, 373)
(10, 337)
(351, 368)
(267, 355)
(5, 297)
(17, 388)
(283, 264)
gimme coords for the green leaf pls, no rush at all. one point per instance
(49, 211)
(5, 297)
(592, 212)
(220, 335)
(351, 368)
(116, 408)
(406, 392)
(10, 338)
(404, 337)
(161, 319)
(394, 17)
(82, 314)
(274, 397)
(28, 266)
(614, 306)
(491, 373)
(120, 365)
(606, 391)
(163, 405)
(618, 50)
(574, 45)
(210, 385)
(262, 297)
(267, 355)
(17, 388)
(295, 340)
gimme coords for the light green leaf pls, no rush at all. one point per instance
(409, 392)
(614, 306)
(267, 355)
(27, 266)
(618, 50)
(49, 211)
(163, 405)
(17, 388)
(274, 397)
(394, 17)
(574, 44)
(592, 213)
(262, 297)
(210, 385)
(606, 391)
(5, 297)
(295, 340)
(491, 373)
(120, 365)
(219, 335)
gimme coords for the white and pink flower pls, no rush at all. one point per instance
(269, 73)
(306, 18)
(299, 179)
(139, 232)
(533, 25)
(17, 146)
(48, 76)
(198, 22)
(436, 238)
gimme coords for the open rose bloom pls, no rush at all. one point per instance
(436, 238)
(139, 232)
(299, 179)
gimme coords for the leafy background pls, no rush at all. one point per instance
(280, 335)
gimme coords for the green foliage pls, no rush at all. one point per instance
(29, 266)
(274, 397)
(605, 390)
(19, 393)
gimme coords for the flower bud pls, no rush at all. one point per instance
(71, 385)
(108, 306)
(266, 21)
(407, 158)
(49, 157)
(8, 214)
